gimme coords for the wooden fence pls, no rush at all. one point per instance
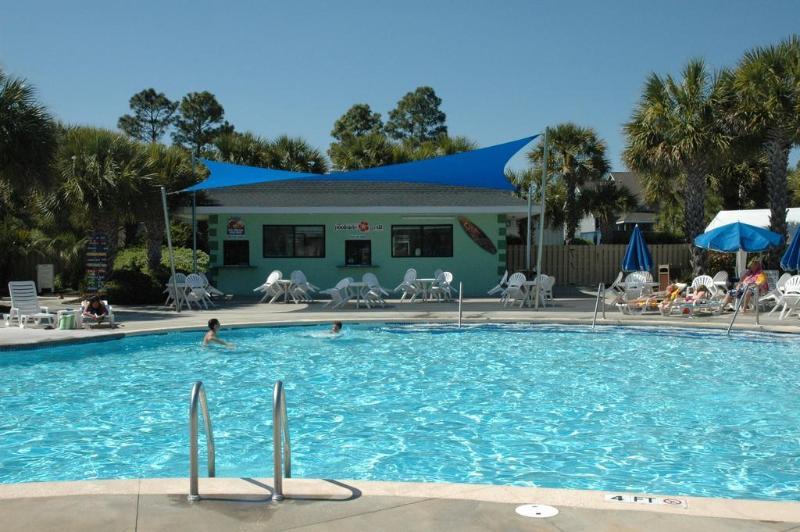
(589, 265)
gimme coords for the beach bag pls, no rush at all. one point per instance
(66, 321)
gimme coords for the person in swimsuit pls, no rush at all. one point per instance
(337, 327)
(95, 311)
(211, 336)
(754, 278)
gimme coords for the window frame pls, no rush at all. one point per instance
(294, 236)
(421, 231)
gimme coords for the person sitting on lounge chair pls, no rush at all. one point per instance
(672, 293)
(94, 311)
(754, 277)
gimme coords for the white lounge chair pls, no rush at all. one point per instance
(721, 281)
(25, 305)
(340, 294)
(301, 289)
(374, 291)
(498, 289)
(616, 287)
(271, 287)
(111, 320)
(408, 287)
(790, 300)
(515, 291)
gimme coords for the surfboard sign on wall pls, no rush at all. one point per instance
(477, 235)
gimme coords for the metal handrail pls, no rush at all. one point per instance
(739, 302)
(280, 430)
(601, 289)
(198, 395)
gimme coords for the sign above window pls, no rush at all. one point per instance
(362, 227)
(235, 228)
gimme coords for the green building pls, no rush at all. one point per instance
(335, 229)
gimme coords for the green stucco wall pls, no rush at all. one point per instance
(470, 264)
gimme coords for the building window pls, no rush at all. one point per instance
(293, 241)
(422, 241)
(358, 252)
(236, 253)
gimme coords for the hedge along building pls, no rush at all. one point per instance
(445, 213)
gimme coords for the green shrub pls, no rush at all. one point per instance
(131, 287)
(135, 259)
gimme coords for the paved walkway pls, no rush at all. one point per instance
(244, 504)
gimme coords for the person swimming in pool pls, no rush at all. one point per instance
(211, 336)
(337, 327)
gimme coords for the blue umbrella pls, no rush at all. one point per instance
(791, 259)
(736, 237)
(637, 256)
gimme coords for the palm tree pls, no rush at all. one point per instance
(767, 83)
(577, 156)
(606, 201)
(101, 174)
(675, 137)
(242, 148)
(363, 151)
(297, 155)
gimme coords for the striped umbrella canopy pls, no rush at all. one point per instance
(637, 257)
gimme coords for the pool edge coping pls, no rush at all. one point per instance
(117, 334)
(745, 509)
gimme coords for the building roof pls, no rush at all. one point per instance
(637, 218)
(323, 196)
(632, 182)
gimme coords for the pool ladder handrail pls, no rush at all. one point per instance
(738, 306)
(281, 454)
(601, 290)
(198, 395)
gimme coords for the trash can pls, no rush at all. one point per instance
(663, 276)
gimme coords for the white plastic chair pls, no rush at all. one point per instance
(340, 294)
(209, 288)
(515, 291)
(271, 287)
(25, 305)
(548, 283)
(616, 287)
(196, 291)
(408, 287)
(702, 280)
(442, 288)
(374, 291)
(498, 289)
(776, 293)
(301, 289)
(180, 280)
(790, 300)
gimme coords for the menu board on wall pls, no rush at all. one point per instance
(96, 262)
(235, 228)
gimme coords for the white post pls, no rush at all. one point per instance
(460, 300)
(194, 225)
(178, 302)
(541, 217)
(528, 237)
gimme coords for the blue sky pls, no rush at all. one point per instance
(504, 69)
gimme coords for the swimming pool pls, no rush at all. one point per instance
(677, 412)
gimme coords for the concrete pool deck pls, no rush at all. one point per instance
(244, 504)
(241, 504)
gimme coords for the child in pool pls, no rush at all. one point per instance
(211, 336)
(337, 327)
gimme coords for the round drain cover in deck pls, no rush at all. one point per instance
(537, 510)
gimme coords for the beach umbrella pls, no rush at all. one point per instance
(739, 238)
(791, 259)
(637, 257)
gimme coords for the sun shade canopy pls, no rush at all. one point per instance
(738, 237)
(481, 168)
(637, 256)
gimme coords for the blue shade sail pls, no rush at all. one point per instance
(637, 256)
(481, 168)
(738, 237)
(791, 259)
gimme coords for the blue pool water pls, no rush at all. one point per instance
(690, 413)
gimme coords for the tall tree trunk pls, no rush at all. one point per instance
(571, 211)
(694, 213)
(154, 231)
(777, 148)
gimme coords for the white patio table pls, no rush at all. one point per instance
(425, 284)
(358, 290)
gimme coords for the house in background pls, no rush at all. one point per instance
(645, 216)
